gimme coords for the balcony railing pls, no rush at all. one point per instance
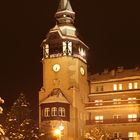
(112, 121)
(111, 103)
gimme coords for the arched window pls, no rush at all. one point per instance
(61, 111)
(54, 111)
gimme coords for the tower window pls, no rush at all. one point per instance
(61, 111)
(47, 112)
(46, 51)
(64, 48)
(67, 48)
(54, 111)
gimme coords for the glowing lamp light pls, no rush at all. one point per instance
(82, 52)
(61, 127)
(57, 132)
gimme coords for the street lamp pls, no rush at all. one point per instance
(58, 131)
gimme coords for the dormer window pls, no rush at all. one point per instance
(67, 48)
(46, 51)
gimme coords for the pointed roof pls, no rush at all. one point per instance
(56, 95)
(64, 5)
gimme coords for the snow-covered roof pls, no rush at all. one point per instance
(56, 96)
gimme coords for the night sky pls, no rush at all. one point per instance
(111, 29)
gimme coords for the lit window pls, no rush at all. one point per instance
(64, 48)
(54, 111)
(117, 101)
(47, 112)
(132, 134)
(120, 86)
(99, 118)
(135, 85)
(132, 100)
(130, 86)
(115, 87)
(132, 117)
(98, 102)
(61, 111)
(46, 51)
(69, 48)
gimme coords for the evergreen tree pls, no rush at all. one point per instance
(29, 130)
(19, 124)
(1, 102)
(2, 132)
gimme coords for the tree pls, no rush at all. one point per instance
(2, 132)
(29, 130)
(97, 133)
(1, 102)
(19, 124)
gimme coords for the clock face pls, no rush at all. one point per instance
(56, 67)
(82, 71)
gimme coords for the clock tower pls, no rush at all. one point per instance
(65, 86)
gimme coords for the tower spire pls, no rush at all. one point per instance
(64, 5)
(65, 13)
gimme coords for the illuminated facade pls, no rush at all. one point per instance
(70, 103)
(114, 102)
